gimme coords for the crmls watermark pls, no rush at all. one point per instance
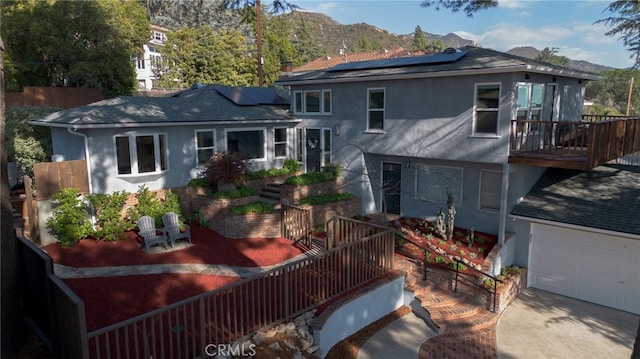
(235, 350)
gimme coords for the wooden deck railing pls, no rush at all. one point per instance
(184, 329)
(343, 230)
(296, 224)
(573, 144)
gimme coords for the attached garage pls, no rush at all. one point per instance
(595, 267)
(583, 230)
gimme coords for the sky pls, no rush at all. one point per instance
(566, 25)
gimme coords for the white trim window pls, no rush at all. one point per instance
(433, 183)
(205, 146)
(248, 143)
(313, 102)
(486, 109)
(326, 146)
(141, 154)
(280, 144)
(300, 144)
(375, 109)
(530, 99)
(490, 188)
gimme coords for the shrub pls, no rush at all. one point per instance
(327, 198)
(150, 205)
(198, 182)
(460, 266)
(69, 222)
(238, 192)
(311, 178)
(253, 207)
(291, 165)
(440, 259)
(109, 221)
(225, 167)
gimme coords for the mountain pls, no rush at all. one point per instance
(329, 37)
(326, 37)
(531, 53)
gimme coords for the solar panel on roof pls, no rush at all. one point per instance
(251, 96)
(440, 58)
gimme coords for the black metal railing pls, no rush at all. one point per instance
(479, 285)
(425, 251)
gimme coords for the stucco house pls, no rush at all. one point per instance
(480, 124)
(163, 142)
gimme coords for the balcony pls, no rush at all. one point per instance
(580, 145)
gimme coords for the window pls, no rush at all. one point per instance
(247, 144)
(141, 154)
(205, 146)
(140, 63)
(312, 102)
(530, 98)
(280, 142)
(326, 147)
(433, 182)
(297, 103)
(487, 103)
(490, 185)
(300, 144)
(375, 113)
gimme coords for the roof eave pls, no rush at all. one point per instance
(80, 126)
(467, 72)
(573, 226)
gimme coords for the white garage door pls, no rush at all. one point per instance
(589, 266)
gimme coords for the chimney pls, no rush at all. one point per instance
(286, 66)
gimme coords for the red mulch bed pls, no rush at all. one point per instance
(414, 230)
(109, 300)
(209, 247)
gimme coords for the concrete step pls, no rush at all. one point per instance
(270, 195)
(462, 310)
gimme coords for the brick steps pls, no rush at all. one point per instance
(459, 319)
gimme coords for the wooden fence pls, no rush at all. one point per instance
(51, 177)
(296, 224)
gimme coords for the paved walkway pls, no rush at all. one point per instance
(63, 271)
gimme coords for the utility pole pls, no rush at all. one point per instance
(629, 97)
(259, 43)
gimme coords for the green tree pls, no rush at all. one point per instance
(419, 39)
(436, 46)
(75, 43)
(613, 89)
(625, 23)
(549, 56)
(365, 44)
(11, 325)
(277, 48)
(469, 7)
(177, 14)
(205, 56)
(28, 144)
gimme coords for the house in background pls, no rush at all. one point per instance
(326, 62)
(146, 65)
(477, 123)
(164, 142)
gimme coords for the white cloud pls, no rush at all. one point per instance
(327, 8)
(512, 4)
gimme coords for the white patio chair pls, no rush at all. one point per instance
(150, 234)
(172, 227)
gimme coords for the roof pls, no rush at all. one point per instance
(202, 104)
(606, 197)
(476, 61)
(326, 62)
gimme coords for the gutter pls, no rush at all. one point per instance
(76, 127)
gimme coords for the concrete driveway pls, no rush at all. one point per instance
(540, 324)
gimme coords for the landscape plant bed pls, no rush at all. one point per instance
(441, 253)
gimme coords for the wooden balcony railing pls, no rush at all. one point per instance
(580, 145)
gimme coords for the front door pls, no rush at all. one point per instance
(314, 151)
(391, 187)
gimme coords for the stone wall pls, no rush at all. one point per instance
(258, 184)
(251, 225)
(293, 194)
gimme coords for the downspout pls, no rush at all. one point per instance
(504, 195)
(73, 131)
(86, 159)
